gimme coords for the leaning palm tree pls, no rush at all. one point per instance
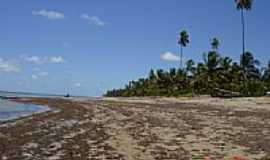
(243, 5)
(183, 41)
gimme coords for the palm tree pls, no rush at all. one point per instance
(190, 73)
(190, 68)
(152, 75)
(248, 70)
(266, 73)
(183, 41)
(181, 80)
(211, 60)
(225, 63)
(248, 64)
(200, 81)
(243, 5)
(224, 73)
(215, 44)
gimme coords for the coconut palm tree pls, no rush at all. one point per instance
(152, 75)
(215, 44)
(190, 68)
(249, 65)
(183, 41)
(243, 5)
(248, 70)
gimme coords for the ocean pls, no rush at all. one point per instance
(12, 110)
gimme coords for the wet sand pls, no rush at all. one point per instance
(140, 129)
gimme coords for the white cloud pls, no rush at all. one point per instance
(53, 15)
(43, 74)
(93, 20)
(43, 60)
(34, 77)
(168, 56)
(8, 66)
(39, 75)
(77, 84)
(58, 59)
(34, 59)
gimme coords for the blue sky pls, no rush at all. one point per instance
(86, 47)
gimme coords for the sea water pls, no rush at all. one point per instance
(13, 110)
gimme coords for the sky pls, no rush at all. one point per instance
(86, 47)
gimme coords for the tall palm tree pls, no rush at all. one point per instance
(183, 41)
(243, 5)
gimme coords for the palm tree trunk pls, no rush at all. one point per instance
(243, 29)
(181, 57)
(243, 41)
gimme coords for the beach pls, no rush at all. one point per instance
(140, 129)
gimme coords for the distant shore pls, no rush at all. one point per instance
(140, 128)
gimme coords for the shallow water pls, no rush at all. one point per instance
(12, 110)
(22, 94)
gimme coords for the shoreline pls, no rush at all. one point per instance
(13, 100)
(140, 128)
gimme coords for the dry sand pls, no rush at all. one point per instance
(140, 129)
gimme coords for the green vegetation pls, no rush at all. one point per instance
(247, 78)
(183, 42)
(243, 5)
(215, 74)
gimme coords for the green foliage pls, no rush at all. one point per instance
(243, 4)
(245, 77)
(183, 41)
(215, 43)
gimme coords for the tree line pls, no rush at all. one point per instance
(246, 77)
